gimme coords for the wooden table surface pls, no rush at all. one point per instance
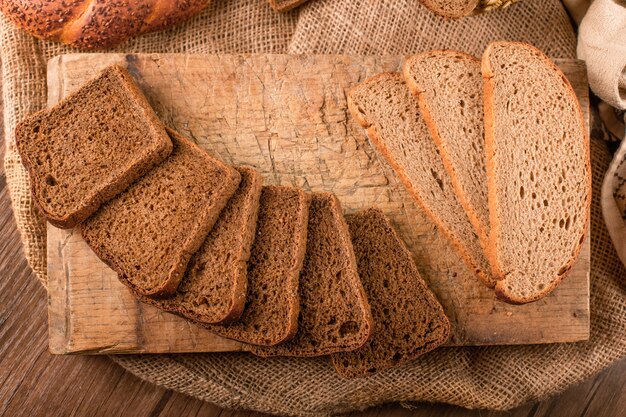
(36, 383)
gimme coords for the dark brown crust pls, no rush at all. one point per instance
(293, 283)
(484, 276)
(493, 200)
(286, 5)
(239, 279)
(357, 288)
(152, 157)
(196, 235)
(418, 92)
(336, 359)
(471, 6)
(91, 25)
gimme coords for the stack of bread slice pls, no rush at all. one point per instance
(272, 266)
(495, 152)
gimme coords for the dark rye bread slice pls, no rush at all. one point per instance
(408, 318)
(384, 106)
(214, 287)
(539, 171)
(271, 312)
(453, 9)
(334, 312)
(90, 147)
(449, 90)
(150, 231)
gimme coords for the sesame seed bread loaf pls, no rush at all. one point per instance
(271, 312)
(449, 90)
(408, 318)
(214, 287)
(90, 147)
(334, 312)
(150, 231)
(538, 168)
(384, 106)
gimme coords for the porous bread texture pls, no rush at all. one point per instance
(384, 106)
(90, 147)
(335, 315)
(150, 231)
(271, 312)
(409, 320)
(453, 9)
(214, 287)
(449, 90)
(538, 169)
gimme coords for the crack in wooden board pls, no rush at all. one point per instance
(287, 117)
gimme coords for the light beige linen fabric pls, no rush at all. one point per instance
(602, 44)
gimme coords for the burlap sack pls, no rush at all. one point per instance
(490, 377)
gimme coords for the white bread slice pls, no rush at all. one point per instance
(539, 175)
(449, 90)
(384, 106)
(453, 9)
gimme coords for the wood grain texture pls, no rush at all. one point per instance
(287, 117)
(34, 383)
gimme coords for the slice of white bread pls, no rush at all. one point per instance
(539, 175)
(453, 9)
(384, 106)
(449, 90)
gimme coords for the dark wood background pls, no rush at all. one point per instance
(35, 383)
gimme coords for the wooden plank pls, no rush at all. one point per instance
(287, 117)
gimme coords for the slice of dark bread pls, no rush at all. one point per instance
(214, 287)
(539, 172)
(90, 147)
(449, 89)
(408, 318)
(271, 312)
(150, 231)
(334, 312)
(384, 106)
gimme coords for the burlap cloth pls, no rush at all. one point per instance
(489, 377)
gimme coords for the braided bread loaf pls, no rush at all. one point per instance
(92, 24)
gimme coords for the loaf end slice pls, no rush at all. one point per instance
(335, 315)
(539, 171)
(150, 231)
(449, 90)
(384, 106)
(453, 9)
(272, 306)
(90, 147)
(408, 318)
(286, 5)
(214, 287)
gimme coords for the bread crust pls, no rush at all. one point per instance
(356, 287)
(155, 155)
(484, 276)
(496, 226)
(193, 241)
(292, 285)
(467, 11)
(240, 278)
(93, 25)
(418, 92)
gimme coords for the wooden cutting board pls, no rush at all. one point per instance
(287, 117)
